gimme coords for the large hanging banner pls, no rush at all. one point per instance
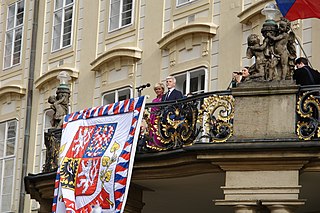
(96, 157)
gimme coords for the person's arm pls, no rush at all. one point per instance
(237, 78)
(163, 97)
(180, 94)
(294, 76)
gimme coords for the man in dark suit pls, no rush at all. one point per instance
(304, 74)
(172, 93)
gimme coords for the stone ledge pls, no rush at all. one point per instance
(265, 88)
(266, 202)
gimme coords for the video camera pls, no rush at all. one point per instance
(238, 73)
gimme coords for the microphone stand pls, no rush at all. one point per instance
(140, 88)
(230, 85)
(139, 91)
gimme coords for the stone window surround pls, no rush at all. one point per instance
(5, 158)
(52, 74)
(64, 7)
(120, 16)
(14, 30)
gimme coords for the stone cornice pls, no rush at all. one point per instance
(208, 28)
(52, 74)
(131, 52)
(218, 157)
(17, 89)
(265, 88)
(252, 11)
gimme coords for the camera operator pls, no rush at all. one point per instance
(238, 77)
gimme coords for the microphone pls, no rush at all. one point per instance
(143, 86)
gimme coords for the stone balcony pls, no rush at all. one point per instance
(256, 144)
(254, 111)
(263, 136)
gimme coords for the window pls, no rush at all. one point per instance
(194, 82)
(182, 2)
(116, 95)
(62, 24)
(8, 139)
(121, 12)
(14, 30)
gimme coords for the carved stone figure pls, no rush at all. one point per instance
(280, 49)
(59, 104)
(274, 58)
(255, 49)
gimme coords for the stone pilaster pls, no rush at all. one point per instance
(262, 183)
(272, 185)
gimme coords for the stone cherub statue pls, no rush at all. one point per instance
(257, 50)
(282, 44)
(274, 58)
(59, 104)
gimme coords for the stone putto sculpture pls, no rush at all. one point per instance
(59, 104)
(60, 101)
(274, 58)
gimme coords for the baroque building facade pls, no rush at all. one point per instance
(110, 47)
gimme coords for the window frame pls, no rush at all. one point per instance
(116, 94)
(120, 19)
(62, 9)
(184, 3)
(188, 78)
(14, 29)
(5, 158)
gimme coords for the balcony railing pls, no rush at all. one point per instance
(202, 118)
(208, 118)
(308, 107)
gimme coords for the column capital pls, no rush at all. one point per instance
(244, 209)
(282, 209)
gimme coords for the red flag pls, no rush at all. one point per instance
(299, 9)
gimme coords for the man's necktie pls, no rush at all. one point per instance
(167, 95)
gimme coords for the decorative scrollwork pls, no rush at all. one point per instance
(52, 142)
(216, 114)
(308, 115)
(174, 126)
